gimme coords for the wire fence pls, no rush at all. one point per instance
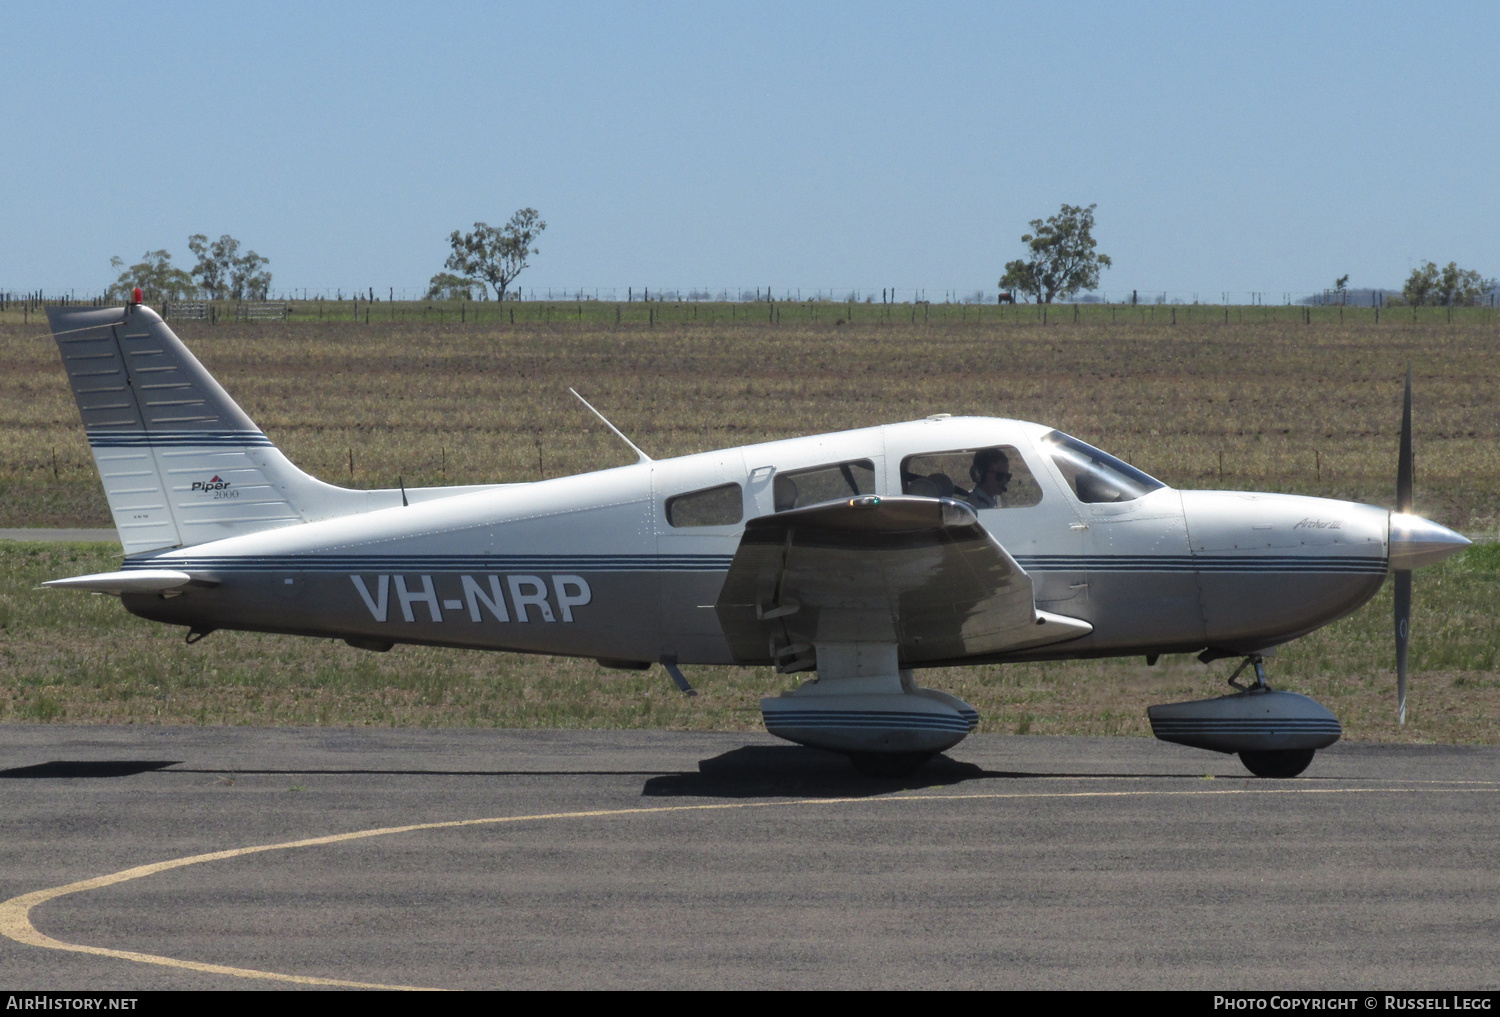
(33, 299)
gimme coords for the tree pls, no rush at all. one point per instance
(1420, 284)
(247, 280)
(447, 286)
(212, 270)
(157, 277)
(1458, 287)
(1062, 258)
(1450, 286)
(496, 254)
(1341, 287)
(224, 273)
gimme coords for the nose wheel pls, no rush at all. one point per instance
(1275, 763)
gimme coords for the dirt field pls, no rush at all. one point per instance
(1272, 404)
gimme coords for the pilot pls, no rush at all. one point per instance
(991, 476)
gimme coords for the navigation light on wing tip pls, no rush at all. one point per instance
(957, 513)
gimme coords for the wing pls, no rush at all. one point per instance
(918, 572)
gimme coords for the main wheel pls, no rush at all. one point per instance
(1277, 762)
(888, 764)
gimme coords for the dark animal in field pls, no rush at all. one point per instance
(1006, 297)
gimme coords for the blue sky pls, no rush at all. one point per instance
(1229, 147)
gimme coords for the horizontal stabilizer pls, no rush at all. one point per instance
(134, 581)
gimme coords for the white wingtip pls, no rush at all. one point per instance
(134, 581)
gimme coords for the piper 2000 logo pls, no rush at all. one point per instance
(217, 487)
(530, 597)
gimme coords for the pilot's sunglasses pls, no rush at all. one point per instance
(1000, 475)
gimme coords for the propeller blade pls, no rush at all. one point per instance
(1405, 468)
(1405, 496)
(1402, 591)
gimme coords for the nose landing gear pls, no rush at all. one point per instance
(1259, 684)
(1274, 733)
(1280, 763)
(1275, 763)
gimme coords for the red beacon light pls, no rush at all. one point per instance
(136, 296)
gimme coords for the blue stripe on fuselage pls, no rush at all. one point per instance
(1281, 564)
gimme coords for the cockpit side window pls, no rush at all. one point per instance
(797, 488)
(714, 506)
(991, 477)
(1096, 476)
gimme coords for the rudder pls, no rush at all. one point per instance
(181, 463)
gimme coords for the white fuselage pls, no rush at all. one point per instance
(591, 565)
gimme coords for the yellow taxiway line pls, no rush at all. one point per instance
(15, 914)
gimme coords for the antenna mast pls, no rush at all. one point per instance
(641, 457)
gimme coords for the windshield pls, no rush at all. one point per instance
(1096, 476)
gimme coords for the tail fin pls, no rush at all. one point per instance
(182, 464)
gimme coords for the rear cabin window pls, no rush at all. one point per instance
(823, 483)
(713, 506)
(992, 477)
